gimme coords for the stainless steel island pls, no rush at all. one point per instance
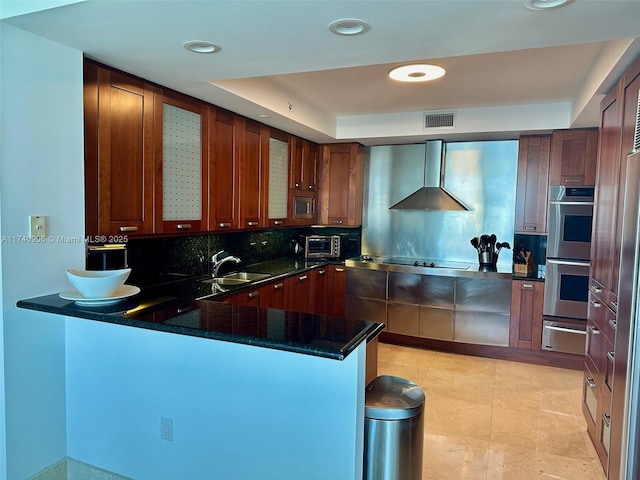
(454, 302)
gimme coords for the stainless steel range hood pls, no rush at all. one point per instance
(432, 195)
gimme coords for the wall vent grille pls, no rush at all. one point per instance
(439, 120)
(636, 137)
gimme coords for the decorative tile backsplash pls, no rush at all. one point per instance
(171, 258)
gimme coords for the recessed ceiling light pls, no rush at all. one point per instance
(349, 26)
(201, 46)
(416, 73)
(545, 4)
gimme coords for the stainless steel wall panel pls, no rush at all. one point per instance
(481, 174)
(436, 323)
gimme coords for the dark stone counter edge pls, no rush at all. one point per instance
(367, 333)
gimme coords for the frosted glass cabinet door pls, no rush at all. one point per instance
(181, 185)
(278, 181)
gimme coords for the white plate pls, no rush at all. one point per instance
(121, 292)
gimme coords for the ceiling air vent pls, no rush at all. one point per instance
(636, 137)
(439, 120)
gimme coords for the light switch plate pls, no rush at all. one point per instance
(37, 226)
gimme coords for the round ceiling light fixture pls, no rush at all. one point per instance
(545, 4)
(421, 72)
(201, 46)
(349, 26)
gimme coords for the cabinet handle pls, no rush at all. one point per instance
(611, 356)
(277, 286)
(595, 304)
(183, 226)
(302, 277)
(321, 272)
(339, 269)
(278, 222)
(252, 224)
(527, 285)
(590, 382)
(613, 324)
(224, 225)
(338, 222)
(614, 305)
(297, 185)
(594, 330)
(128, 229)
(311, 187)
(253, 294)
(606, 418)
(530, 227)
(596, 289)
(572, 180)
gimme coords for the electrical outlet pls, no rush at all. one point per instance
(37, 226)
(166, 429)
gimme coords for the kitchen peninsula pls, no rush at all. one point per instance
(283, 389)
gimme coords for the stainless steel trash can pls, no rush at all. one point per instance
(393, 429)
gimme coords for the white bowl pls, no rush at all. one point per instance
(97, 283)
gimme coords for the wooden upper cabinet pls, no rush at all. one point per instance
(119, 152)
(341, 185)
(532, 184)
(606, 194)
(224, 147)
(253, 157)
(277, 179)
(303, 165)
(181, 163)
(573, 157)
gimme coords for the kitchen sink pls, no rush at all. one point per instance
(247, 276)
(237, 278)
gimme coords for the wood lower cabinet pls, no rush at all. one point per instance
(300, 298)
(341, 185)
(273, 295)
(337, 290)
(573, 157)
(319, 287)
(526, 315)
(119, 152)
(532, 184)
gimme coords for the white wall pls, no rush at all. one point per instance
(239, 412)
(41, 173)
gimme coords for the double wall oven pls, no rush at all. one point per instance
(567, 270)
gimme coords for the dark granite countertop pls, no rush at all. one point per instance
(178, 308)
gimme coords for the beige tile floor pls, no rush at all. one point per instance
(489, 419)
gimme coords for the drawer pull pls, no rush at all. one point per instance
(530, 227)
(594, 330)
(595, 304)
(254, 294)
(606, 418)
(572, 180)
(278, 222)
(277, 286)
(321, 272)
(337, 222)
(252, 224)
(590, 382)
(596, 289)
(613, 324)
(128, 229)
(339, 269)
(183, 226)
(527, 285)
(224, 225)
(614, 305)
(611, 356)
(302, 277)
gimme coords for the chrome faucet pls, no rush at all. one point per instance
(220, 258)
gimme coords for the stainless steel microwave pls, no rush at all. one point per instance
(322, 246)
(304, 207)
